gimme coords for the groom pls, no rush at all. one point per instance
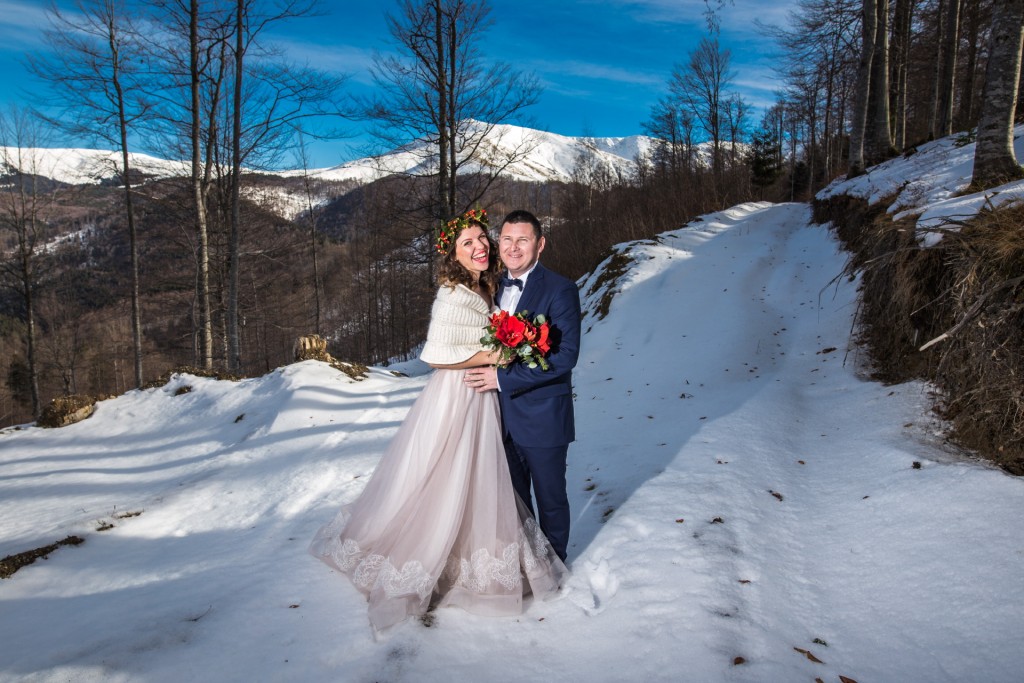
(536, 405)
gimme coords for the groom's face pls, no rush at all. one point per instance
(519, 247)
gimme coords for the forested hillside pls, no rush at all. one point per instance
(208, 255)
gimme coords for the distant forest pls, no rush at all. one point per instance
(107, 287)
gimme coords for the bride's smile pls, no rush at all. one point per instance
(473, 250)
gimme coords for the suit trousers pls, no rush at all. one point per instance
(544, 467)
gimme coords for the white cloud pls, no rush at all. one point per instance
(735, 16)
(21, 25)
(341, 59)
(601, 72)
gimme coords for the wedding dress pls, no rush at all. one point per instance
(439, 523)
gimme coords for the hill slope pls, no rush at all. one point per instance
(739, 490)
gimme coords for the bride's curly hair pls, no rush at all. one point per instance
(450, 272)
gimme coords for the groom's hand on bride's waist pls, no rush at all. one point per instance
(482, 379)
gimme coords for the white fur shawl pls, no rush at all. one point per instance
(457, 322)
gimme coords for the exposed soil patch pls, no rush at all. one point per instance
(13, 563)
(617, 266)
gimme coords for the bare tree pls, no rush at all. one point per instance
(712, 14)
(672, 128)
(234, 103)
(701, 86)
(901, 35)
(311, 216)
(269, 99)
(878, 137)
(439, 89)
(819, 49)
(65, 342)
(994, 158)
(23, 204)
(736, 113)
(95, 72)
(974, 22)
(200, 176)
(945, 81)
(188, 49)
(862, 91)
(584, 232)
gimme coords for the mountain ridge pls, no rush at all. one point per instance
(518, 152)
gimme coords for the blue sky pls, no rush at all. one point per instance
(603, 63)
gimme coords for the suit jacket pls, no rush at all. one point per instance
(536, 404)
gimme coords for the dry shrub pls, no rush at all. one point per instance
(314, 347)
(969, 287)
(65, 410)
(900, 306)
(981, 363)
(848, 215)
(900, 286)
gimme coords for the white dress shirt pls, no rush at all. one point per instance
(510, 296)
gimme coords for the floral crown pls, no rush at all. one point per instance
(447, 232)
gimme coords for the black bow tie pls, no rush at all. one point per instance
(512, 282)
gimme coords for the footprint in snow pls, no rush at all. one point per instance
(601, 586)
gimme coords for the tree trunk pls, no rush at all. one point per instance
(900, 50)
(947, 68)
(199, 197)
(878, 140)
(858, 126)
(25, 263)
(443, 141)
(234, 245)
(940, 19)
(453, 112)
(972, 28)
(122, 121)
(994, 159)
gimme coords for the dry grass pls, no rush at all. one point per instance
(981, 363)
(966, 297)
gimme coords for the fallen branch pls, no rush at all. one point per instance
(972, 311)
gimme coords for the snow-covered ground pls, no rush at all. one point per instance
(747, 507)
(929, 184)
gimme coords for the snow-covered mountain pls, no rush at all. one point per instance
(535, 156)
(77, 166)
(520, 153)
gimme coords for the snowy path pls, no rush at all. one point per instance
(739, 490)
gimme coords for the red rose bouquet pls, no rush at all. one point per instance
(516, 337)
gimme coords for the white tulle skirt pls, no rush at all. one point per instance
(439, 524)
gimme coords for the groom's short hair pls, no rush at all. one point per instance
(524, 216)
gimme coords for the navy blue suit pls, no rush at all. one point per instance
(536, 405)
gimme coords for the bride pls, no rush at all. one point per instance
(439, 524)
